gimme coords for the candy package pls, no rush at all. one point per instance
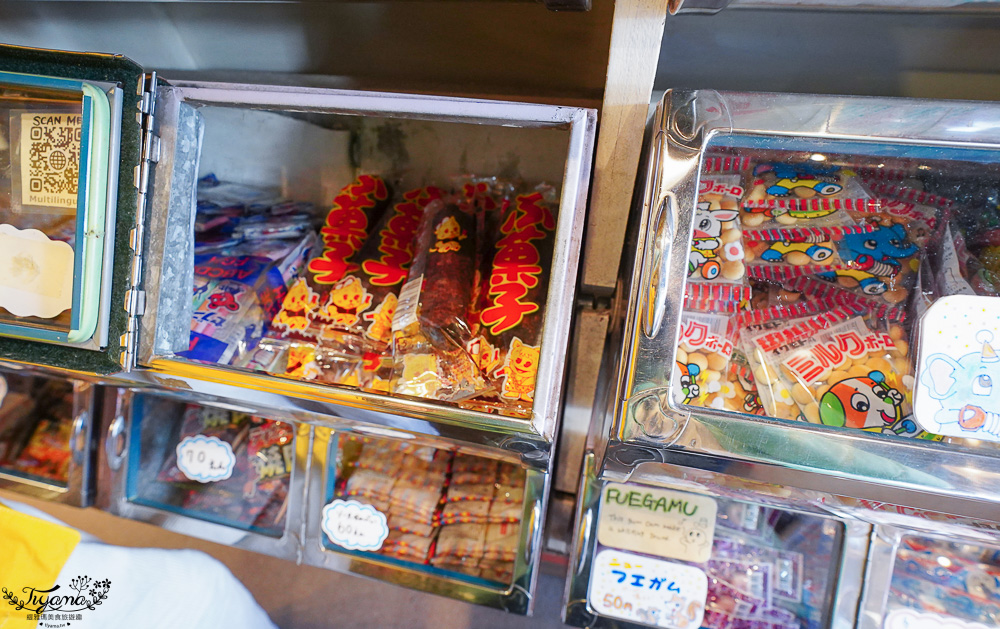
(800, 194)
(431, 328)
(508, 346)
(457, 511)
(235, 296)
(845, 376)
(319, 297)
(716, 247)
(354, 348)
(704, 349)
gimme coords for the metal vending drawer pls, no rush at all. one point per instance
(267, 135)
(426, 514)
(641, 557)
(849, 214)
(46, 425)
(212, 471)
(934, 576)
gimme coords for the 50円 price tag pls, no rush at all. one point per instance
(205, 459)
(647, 590)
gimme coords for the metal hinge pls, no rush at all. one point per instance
(135, 298)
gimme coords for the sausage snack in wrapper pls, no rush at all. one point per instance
(431, 328)
(508, 346)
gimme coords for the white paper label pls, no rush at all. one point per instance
(406, 307)
(36, 274)
(659, 522)
(354, 525)
(650, 591)
(205, 459)
(913, 619)
(50, 159)
(957, 390)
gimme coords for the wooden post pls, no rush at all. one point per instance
(636, 34)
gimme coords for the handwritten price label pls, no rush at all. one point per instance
(205, 459)
(646, 590)
(354, 525)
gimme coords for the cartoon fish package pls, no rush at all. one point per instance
(353, 349)
(799, 194)
(882, 261)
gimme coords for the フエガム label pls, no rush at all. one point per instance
(658, 522)
(648, 591)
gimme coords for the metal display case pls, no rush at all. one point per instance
(46, 436)
(414, 140)
(783, 537)
(498, 571)
(649, 428)
(255, 500)
(930, 576)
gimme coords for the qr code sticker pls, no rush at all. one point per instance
(50, 159)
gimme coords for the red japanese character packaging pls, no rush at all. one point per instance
(323, 295)
(355, 347)
(508, 345)
(454, 511)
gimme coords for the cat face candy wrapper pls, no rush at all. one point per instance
(318, 297)
(508, 346)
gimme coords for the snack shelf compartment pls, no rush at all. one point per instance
(556, 140)
(46, 429)
(943, 477)
(498, 571)
(833, 596)
(258, 506)
(935, 575)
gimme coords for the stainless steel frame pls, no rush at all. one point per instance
(578, 611)
(269, 392)
(112, 496)
(79, 488)
(926, 475)
(518, 598)
(882, 561)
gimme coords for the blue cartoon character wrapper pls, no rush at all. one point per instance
(800, 193)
